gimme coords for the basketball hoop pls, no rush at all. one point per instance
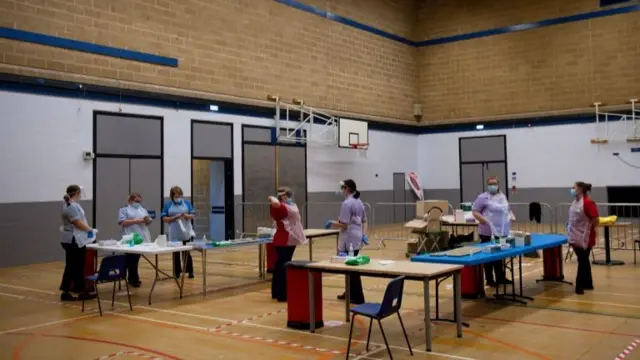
(362, 149)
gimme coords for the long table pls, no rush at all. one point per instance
(412, 271)
(538, 242)
(312, 234)
(146, 250)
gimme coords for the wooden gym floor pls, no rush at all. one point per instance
(238, 319)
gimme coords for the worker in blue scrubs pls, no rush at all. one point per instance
(134, 219)
(75, 235)
(178, 213)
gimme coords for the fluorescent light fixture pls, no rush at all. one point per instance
(213, 107)
(479, 127)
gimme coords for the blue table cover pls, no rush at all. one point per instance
(538, 241)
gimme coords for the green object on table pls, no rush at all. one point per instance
(221, 243)
(358, 260)
(466, 206)
(137, 239)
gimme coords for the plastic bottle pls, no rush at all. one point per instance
(351, 250)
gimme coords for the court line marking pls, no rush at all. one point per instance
(47, 324)
(590, 302)
(627, 350)
(129, 353)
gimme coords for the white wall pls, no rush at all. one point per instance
(545, 156)
(43, 138)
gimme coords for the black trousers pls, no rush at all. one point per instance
(492, 267)
(73, 275)
(356, 294)
(284, 254)
(132, 261)
(177, 263)
(584, 280)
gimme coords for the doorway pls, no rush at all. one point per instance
(480, 158)
(128, 158)
(399, 198)
(212, 187)
(213, 198)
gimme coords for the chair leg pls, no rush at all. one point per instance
(405, 334)
(98, 299)
(386, 343)
(113, 296)
(119, 285)
(126, 284)
(82, 305)
(353, 317)
(369, 335)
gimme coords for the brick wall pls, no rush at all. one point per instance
(243, 48)
(200, 197)
(553, 68)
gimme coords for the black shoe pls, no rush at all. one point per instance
(135, 284)
(65, 296)
(282, 300)
(589, 288)
(505, 282)
(191, 276)
(342, 297)
(491, 283)
(86, 296)
(580, 291)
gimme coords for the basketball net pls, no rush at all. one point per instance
(362, 150)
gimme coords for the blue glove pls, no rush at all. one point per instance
(342, 253)
(328, 225)
(365, 239)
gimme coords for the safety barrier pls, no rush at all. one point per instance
(317, 213)
(250, 216)
(525, 221)
(622, 235)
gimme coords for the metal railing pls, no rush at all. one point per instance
(317, 213)
(525, 222)
(621, 235)
(250, 216)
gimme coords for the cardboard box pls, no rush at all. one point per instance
(423, 207)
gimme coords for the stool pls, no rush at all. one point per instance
(298, 296)
(271, 258)
(552, 263)
(472, 282)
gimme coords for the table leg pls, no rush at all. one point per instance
(457, 305)
(427, 314)
(312, 310)
(261, 261)
(204, 272)
(347, 296)
(607, 251)
(310, 249)
(184, 270)
(155, 267)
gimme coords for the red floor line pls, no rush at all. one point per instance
(81, 338)
(634, 344)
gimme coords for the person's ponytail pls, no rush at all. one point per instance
(356, 195)
(67, 199)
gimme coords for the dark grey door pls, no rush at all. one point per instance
(498, 170)
(145, 178)
(259, 183)
(291, 159)
(399, 198)
(472, 181)
(111, 192)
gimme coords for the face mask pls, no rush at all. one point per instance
(136, 205)
(178, 200)
(572, 192)
(289, 201)
(492, 188)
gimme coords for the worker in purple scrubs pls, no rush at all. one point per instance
(352, 224)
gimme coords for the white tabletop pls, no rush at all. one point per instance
(143, 249)
(397, 268)
(312, 233)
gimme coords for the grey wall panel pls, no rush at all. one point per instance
(212, 140)
(259, 183)
(498, 170)
(472, 182)
(145, 179)
(256, 134)
(451, 195)
(482, 149)
(127, 135)
(323, 206)
(30, 232)
(110, 194)
(291, 173)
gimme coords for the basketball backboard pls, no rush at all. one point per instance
(352, 133)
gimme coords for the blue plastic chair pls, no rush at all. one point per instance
(391, 304)
(113, 269)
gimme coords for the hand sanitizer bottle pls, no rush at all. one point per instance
(351, 250)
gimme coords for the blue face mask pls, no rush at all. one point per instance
(288, 201)
(492, 188)
(177, 201)
(572, 192)
(136, 205)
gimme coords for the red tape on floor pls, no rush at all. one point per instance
(634, 344)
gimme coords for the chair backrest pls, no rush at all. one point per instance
(112, 268)
(392, 300)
